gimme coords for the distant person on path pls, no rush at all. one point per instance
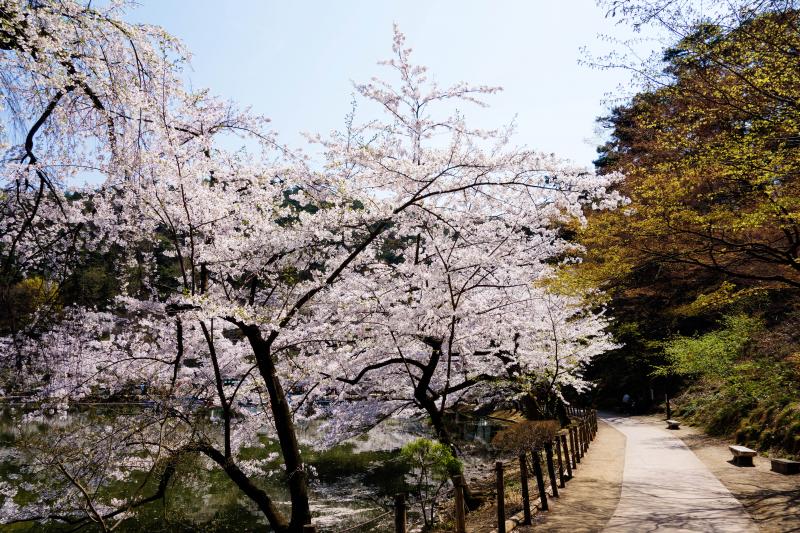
(626, 402)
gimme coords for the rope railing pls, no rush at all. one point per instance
(366, 523)
(400, 512)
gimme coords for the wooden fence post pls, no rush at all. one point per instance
(566, 453)
(526, 497)
(537, 470)
(584, 435)
(551, 471)
(461, 524)
(573, 451)
(588, 430)
(561, 481)
(669, 410)
(501, 497)
(400, 513)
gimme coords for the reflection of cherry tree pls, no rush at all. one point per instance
(237, 268)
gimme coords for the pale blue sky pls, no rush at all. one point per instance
(294, 61)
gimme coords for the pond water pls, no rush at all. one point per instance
(354, 482)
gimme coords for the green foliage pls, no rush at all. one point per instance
(93, 285)
(710, 158)
(713, 175)
(739, 387)
(772, 428)
(717, 300)
(22, 300)
(432, 463)
(713, 354)
(433, 460)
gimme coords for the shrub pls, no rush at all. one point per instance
(523, 436)
(432, 463)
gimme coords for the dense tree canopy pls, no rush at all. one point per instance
(418, 249)
(710, 157)
(709, 148)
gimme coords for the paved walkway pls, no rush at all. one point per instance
(665, 487)
(590, 498)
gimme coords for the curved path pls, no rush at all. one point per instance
(665, 487)
(590, 498)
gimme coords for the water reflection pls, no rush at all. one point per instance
(353, 482)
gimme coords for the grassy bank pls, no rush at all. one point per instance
(745, 382)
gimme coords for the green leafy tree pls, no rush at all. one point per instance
(709, 150)
(710, 155)
(713, 355)
(432, 464)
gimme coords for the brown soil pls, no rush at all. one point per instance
(484, 519)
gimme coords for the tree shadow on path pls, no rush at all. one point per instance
(772, 499)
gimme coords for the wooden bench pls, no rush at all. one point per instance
(785, 466)
(742, 455)
(673, 424)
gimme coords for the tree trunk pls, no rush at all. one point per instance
(561, 413)
(284, 425)
(276, 519)
(543, 405)
(472, 500)
(529, 407)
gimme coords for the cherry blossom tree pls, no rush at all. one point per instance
(75, 84)
(457, 316)
(568, 334)
(236, 267)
